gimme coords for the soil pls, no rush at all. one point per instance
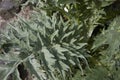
(8, 10)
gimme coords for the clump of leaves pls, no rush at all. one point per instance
(50, 44)
(55, 45)
(105, 55)
(111, 38)
(107, 46)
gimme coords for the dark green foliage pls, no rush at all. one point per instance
(57, 43)
(51, 41)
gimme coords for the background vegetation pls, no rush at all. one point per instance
(63, 40)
